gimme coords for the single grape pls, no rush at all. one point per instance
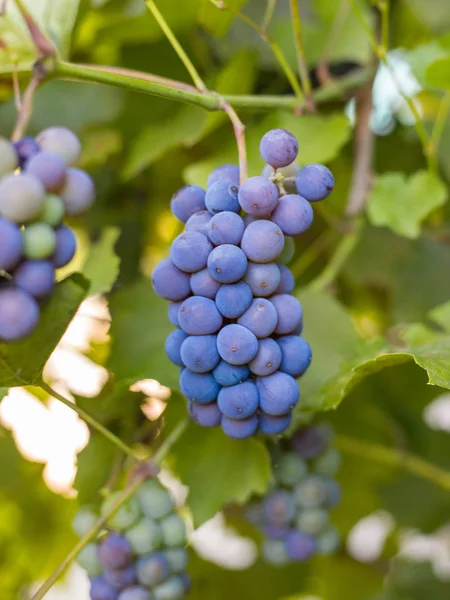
(287, 281)
(288, 251)
(199, 222)
(173, 346)
(199, 316)
(174, 308)
(8, 157)
(274, 553)
(279, 507)
(36, 277)
(222, 195)
(114, 552)
(314, 182)
(152, 569)
(262, 241)
(328, 542)
(102, 590)
(88, 559)
(19, 314)
(61, 141)
(233, 299)
(312, 491)
(271, 424)
(199, 353)
(299, 546)
(84, 520)
(240, 428)
(278, 393)
(178, 559)
(127, 515)
(206, 415)
(169, 282)
(135, 592)
(78, 192)
(224, 173)
(295, 355)
(226, 374)
(121, 578)
(26, 148)
(278, 148)
(258, 196)
(293, 214)
(11, 245)
(289, 311)
(263, 279)
(190, 251)
(201, 387)
(173, 531)
(66, 245)
(267, 359)
(187, 201)
(260, 318)
(172, 589)
(49, 168)
(309, 442)
(312, 520)
(145, 536)
(156, 502)
(239, 401)
(289, 468)
(227, 263)
(53, 210)
(333, 496)
(39, 241)
(237, 344)
(328, 463)
(226, 228)
(202, 284)
(21, 198)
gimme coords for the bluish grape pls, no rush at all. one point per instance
(88, 559)
(240, 429)
(274, 553)
(263, 279)
(262, 241)
(278, 393)
(153, 569)
(199, 222)
(173, 346)
(201, 387)
(227, 263)
(19, 314)
(25, 148)
(312, 520)
(289, 468)
(11, 244)
(288, 251)
(178, 558)
(226, 374)
(78, 192)
(21, 198)
(121, 578)
(287, 281)
(173, 531)
(289, 311)
(275, 532)
(174, 308)
(199, 353)
(36, 277)
(312, 491)
(114, 551)
(84, 520)
(236, 344)
(135, 592)
(53, 210)
(226, 228)
(258, 196)
(271, 424)
(155, 501)
(66, 245)
(233, 299)
(328, 462)
(190, 251)
(102, 590)
(169, 282)
(199, 316)
(224, 173)
(61, 141)
(49, 168)
(206, 415)
(299, 546)
(145, 536)
(239, 401)
(309, 442)
(278, 148)
(260, 318)
(328, 542)
(172, 589)
(127, 515)
(187, 201)
(222, 195)
(8, 157)
(293, 214)
(267, 359)
(202, 284)
(333, 495)
(295, 355)
(39, 241)
(314, 182)
(279, 507)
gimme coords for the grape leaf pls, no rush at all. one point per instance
(102, 264)
(422, 56)
(438, 73)
(94, 465)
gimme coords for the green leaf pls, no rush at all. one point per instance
(22, 362)
(402, 204)
(438, 73)
(94, 464)
(102, 264)
(422, 56)
(215, 20)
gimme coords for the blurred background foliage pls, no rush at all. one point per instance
(370, 286)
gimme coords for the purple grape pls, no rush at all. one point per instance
(240, 428)
(293, 215)
(263, 279)
(275, 532)
(314, 182)
(227, 263)
(224, 173)
(102, 590)
(278, 148)
(78, 192)
(236, 344)
(66, 245)
(309, 442)
(289, 311)
(121, 578)
(199, 353)
(26, 148)
(295, 355)
(173, 345)
(36, 277)
(152, 569)
(278, 393)
(114, 552)
(169, 282)
(62, 141)
(202, 284)
(279, 507)
(263, 241)
(11, 244)
(187, 201)
(21, 198)
(226, 228)
(271, 424)
(239, 401)
(199, 222)
(206, 415)
(233, 299)
(287, 281)
(199, 316)
(174, 308)
(267, 359)
(260, 318)
(190, 251)
(49, 168)
(221, 196)
(258, 196)
(19, 314)
(135, 592)
(226, 374)
(299, 546)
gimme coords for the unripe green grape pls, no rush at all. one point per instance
(88, 559)
(274, 552)
(172, 589)
(53, 210)
(289, 468)
(288, 251)
(8, 157)
(312, 520)
(127, 515)
(21, 198)
(178, 559)
(328, 463)
(328, 542)
(156, 502)
(145, 536)
(39, 241)
(173, 530)
(84, 521)
(311, 492)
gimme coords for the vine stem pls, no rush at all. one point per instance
(135, 482)
(395, 458)
(239, 133)
(438, 128)
(302, 66)
(270, 9)
(26, 109)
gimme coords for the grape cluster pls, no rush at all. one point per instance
(238, 324)
(38, 186)
(141, 555)
(294, 516)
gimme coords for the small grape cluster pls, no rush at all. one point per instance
(38, 187)
(294, 516)
(238, 324)
(142, 554)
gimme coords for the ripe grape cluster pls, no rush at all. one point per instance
(141, 555)
(294, 516)
(238, 325)
(38, 186)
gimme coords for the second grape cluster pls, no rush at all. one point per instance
(238, 325)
